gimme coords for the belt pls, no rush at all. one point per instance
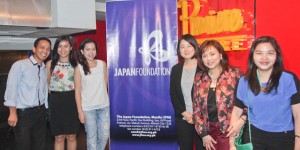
(59, 92)
(35, 108)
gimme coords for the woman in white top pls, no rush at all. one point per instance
(91, 95)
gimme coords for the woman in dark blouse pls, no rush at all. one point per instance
(181, 83)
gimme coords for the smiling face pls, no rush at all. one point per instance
(64, 49)
(187, 51)
(89, 51)
(211, 58)
(41, 51)
(264, 56)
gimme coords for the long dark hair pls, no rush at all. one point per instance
(190, 39)
(212, 43)
(251, 74)
(55, 55)
(80, 57)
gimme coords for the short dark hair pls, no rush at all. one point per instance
(37, 41)
(190, 39)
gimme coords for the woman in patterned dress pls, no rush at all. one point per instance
(64, 122)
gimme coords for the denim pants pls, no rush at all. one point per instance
(97, 128)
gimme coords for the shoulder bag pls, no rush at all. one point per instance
(238, 141)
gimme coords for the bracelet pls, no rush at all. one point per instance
(297, 136)
(243, 119)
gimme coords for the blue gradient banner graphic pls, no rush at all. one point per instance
(141, 49)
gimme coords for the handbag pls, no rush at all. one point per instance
(238, 141)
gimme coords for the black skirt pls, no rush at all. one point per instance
(63, 115)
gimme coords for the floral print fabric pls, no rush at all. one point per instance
(225, 89)
(62, 77)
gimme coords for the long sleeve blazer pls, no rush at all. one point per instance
(225, 90)
(175, 89)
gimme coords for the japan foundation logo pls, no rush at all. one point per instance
(154, 51)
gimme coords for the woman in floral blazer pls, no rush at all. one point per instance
(213, 95)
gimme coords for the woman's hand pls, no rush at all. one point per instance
(232, 148)
(231, 143)
(81, 117)
(188, 117)
(208, 142)
(235, 128)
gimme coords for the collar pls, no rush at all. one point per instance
(34, 62)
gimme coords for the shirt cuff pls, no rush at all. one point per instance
(239, 103)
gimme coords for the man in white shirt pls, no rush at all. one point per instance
(26, 94)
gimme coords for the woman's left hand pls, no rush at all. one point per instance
(188, 117)
(209, 142)
(235, 128)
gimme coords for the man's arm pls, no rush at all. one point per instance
(10, 96)
(13, 117)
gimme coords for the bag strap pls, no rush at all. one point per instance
(248, 97)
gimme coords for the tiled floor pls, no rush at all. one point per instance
(6, 144)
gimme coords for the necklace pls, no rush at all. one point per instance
(214, 78)
(213, 85)
(263, 89)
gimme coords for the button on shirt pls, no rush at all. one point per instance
(26, 84)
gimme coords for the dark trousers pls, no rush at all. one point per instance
(218, 136)
(31, 128)
(263, 140)
(187, 136)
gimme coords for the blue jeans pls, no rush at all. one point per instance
(97, 128)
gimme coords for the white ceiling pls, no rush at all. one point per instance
(100, 9)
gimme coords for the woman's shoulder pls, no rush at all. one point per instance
(237, 72)
(178, 65)
(287, 76)
(177, 69)
(243, 81)
(99, 61)
(48, 64)
(235, 69)
(201, 75)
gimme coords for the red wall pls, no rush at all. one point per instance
(99, 35)
(280, 19)
(275, 18)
